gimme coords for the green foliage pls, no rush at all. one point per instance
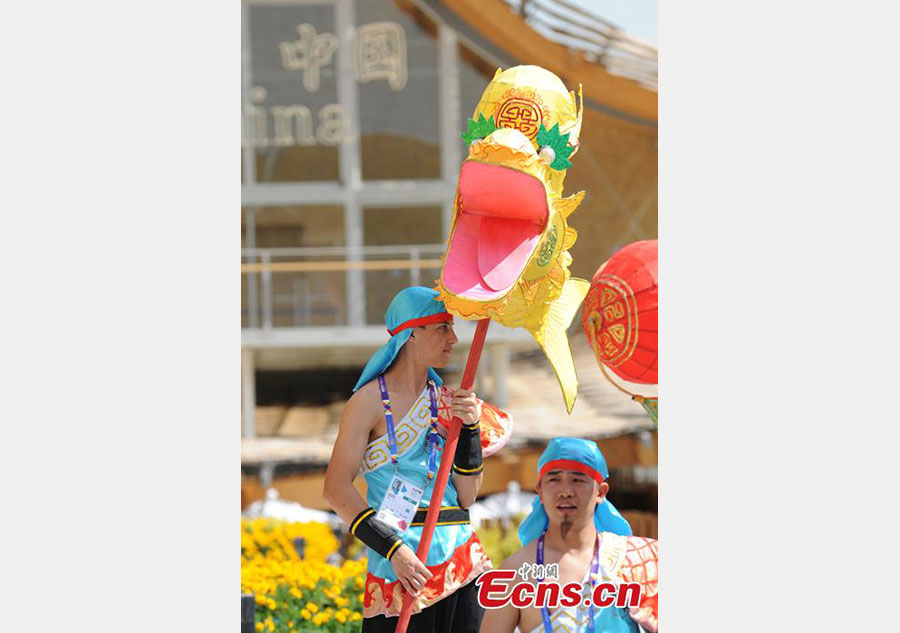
(478, 129)
(559, 143)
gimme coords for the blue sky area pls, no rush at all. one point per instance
(636, 17)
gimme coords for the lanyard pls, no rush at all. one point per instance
(595, 568)
(433, 437)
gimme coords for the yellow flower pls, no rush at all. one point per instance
(270, 567)
(273, 540)
(321, 618)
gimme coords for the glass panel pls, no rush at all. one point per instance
(403, 225)
(396, 67)
(382, 285)
(400, 227)
(294, 121)
(293, 226)
(301, 288)
(302, 299)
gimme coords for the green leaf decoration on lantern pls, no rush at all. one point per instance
(559, 143)
(478, 129)
(651, 405)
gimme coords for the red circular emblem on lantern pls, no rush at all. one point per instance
(520, 114)
(619, 313)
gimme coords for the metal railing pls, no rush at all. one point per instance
(598, 39)
(306, 286)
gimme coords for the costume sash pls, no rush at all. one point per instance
(433, 440)
(595, 569)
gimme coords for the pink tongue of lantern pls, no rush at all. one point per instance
(502, 248)
(511, 207)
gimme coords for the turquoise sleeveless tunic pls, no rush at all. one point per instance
(412, 433)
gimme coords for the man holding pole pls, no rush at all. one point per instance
(389, 431)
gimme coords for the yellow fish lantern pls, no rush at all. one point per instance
(507, 258)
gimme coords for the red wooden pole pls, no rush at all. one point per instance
(443, 474)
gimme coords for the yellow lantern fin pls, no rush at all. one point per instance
(574, 130)
(553, 339)
(565, 206)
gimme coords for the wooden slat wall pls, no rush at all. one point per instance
(494, 21)
(642, 523)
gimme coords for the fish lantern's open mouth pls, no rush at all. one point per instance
(501, 215)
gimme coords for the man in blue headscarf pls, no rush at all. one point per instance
(389, 431)
(574, 527)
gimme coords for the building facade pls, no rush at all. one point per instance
(351, 118)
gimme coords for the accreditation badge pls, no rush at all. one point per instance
(400, 503)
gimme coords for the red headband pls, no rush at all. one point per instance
(570, 464)
(434, 318)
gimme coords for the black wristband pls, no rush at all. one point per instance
(375, 534)
(468, 460)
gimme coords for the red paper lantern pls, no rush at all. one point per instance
(619, 313)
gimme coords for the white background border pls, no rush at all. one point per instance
(120, 446)
(778, 266)
(778, 230)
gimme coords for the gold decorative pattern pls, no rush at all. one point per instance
(569, 239)
(616, 303)
(416, 422)
(529, 289)
(521, 109)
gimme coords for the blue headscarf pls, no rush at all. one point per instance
(573, 453)
(411, 304)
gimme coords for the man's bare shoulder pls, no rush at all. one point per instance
(524, 555)
(363, 408)
(367, 394)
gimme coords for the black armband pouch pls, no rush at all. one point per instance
(375, 534)
(468, 460)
